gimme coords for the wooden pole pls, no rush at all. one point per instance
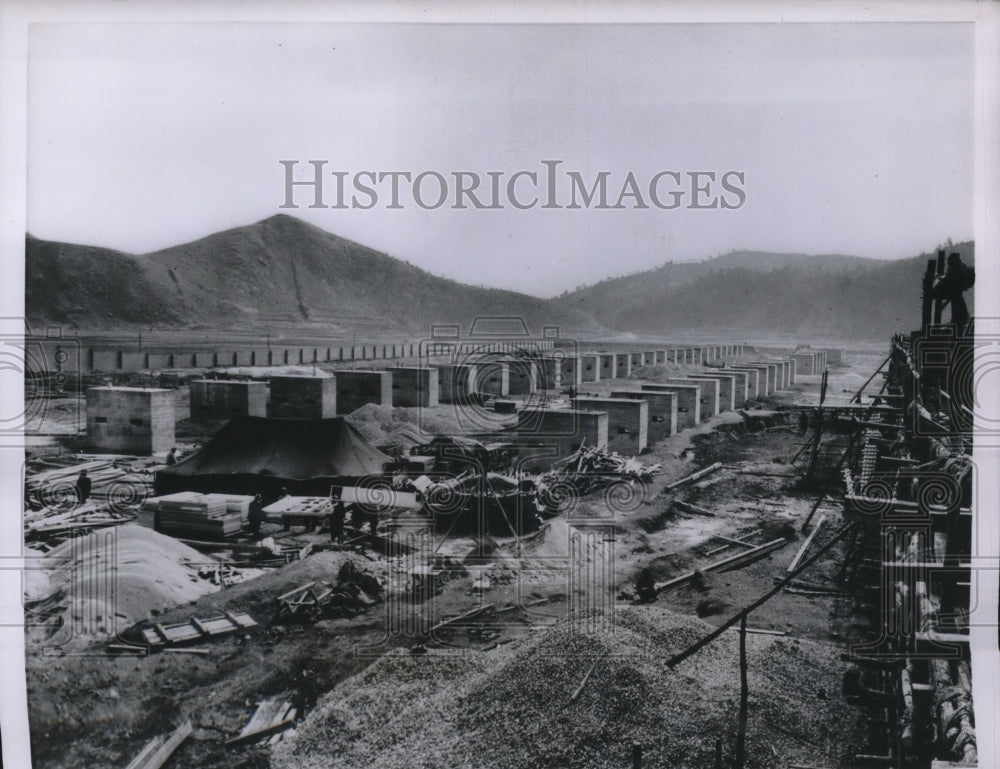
(857, 395)
(694, 476)
(697, 645)
(741, 724)
(636, 755)
(805, 545)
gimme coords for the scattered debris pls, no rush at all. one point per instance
(695, 476)
(271, 717)
(159, 636)
(159, 750)
(356, 591)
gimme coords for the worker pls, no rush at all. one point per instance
(284, 492)
(337, 522)
(645, 586)
(83, 487)
(172, 457)
(957, 279)
(256, 515)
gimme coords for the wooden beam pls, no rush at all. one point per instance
(694, 476)
(805, 545)
(586, 677)
(165, 749)
(687, 507)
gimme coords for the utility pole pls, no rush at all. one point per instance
(741, 724)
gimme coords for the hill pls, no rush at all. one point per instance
(283, 274)
(272, 274)
(832, 296)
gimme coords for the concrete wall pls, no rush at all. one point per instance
(628, 422)
(804, 362)
(609, 365)
(688, 402)
(768, 373)
(709, 397)
(739, 383)
(753, 381)
(565, 427)
(774, 371)
(224, 399)
(764, 387)
(456, 382)
(834, 357)
(522, 376)
(726, 387)
(623, 365)
(303, 397)
(493, 377)
(590, 367)
(571, 368)
(776, 374)
(662, 411)
(356, 388)
(130, 420)
(550, 373)
(415, 387)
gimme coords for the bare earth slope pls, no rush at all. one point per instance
(277, 271)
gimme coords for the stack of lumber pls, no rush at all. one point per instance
(57, 523)
(302, 508)
(59, 483)
(189, 515)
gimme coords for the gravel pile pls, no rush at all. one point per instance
(510, 707)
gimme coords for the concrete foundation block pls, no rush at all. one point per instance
(357, 388)
(564, 428)
(414, 386)
(303, 397)
(628, 422)
(213, 399)
(130, 420)
(688, 402)
(662, 411)
(709, 397)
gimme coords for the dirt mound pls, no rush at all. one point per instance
(384, 425)
(511, 707)
(660, 371)
(107, 581)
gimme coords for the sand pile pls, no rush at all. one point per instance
(108, 580)
(382, 425)
(661, 371)
(510, 707)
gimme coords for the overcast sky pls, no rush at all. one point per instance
(851, 138)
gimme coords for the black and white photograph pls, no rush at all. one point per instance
(581, 387)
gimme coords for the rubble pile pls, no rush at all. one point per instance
(592, 468)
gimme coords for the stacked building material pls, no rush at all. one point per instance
(189, 515)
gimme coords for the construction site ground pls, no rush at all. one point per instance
(503, 695)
